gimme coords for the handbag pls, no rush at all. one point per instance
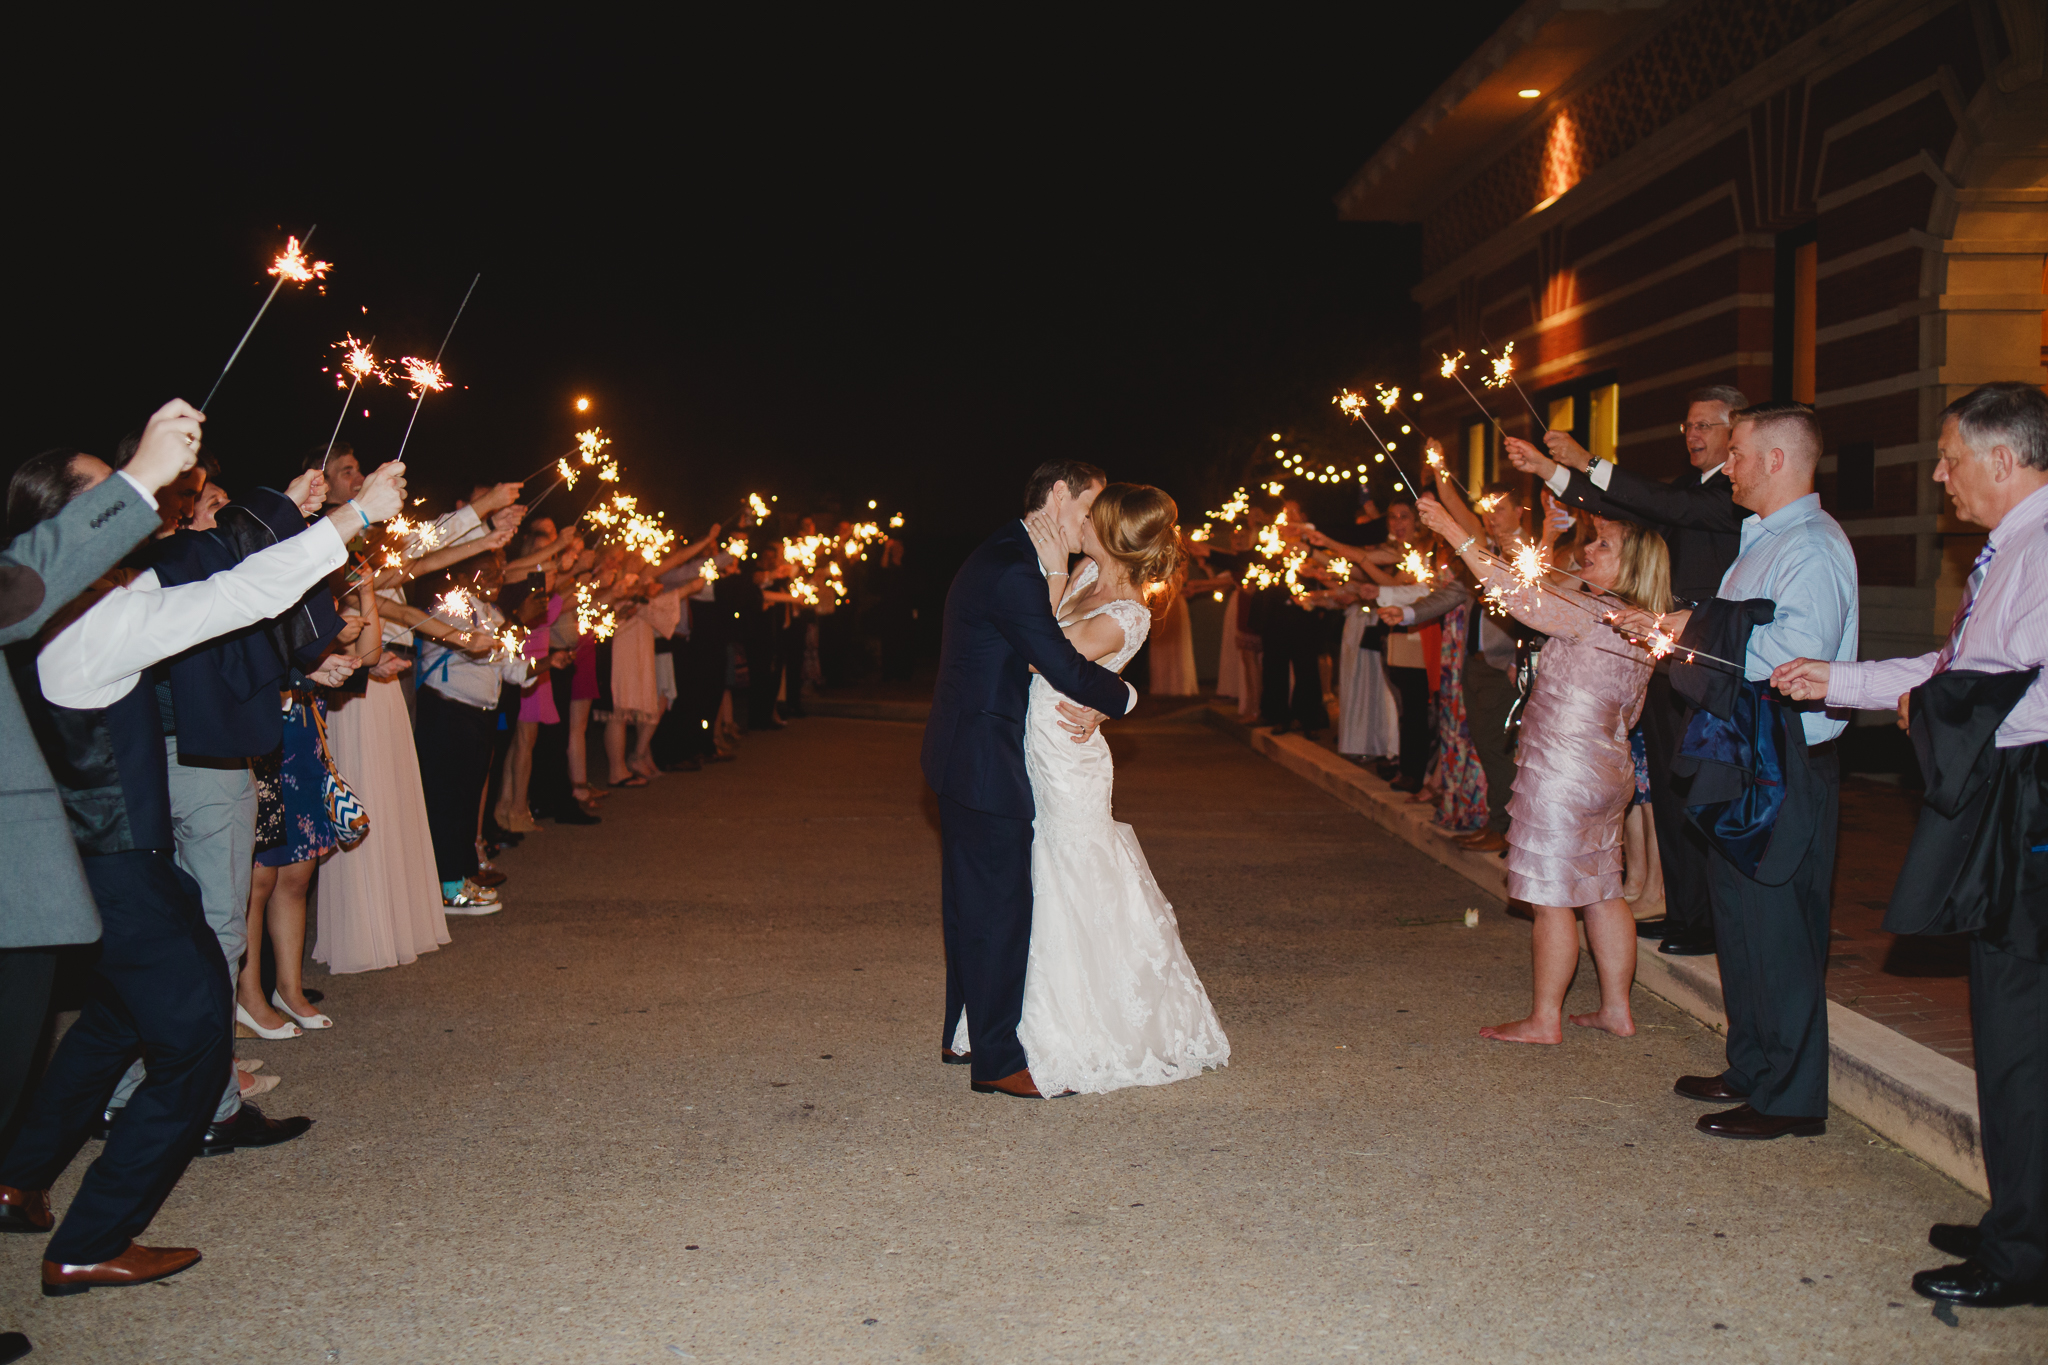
(347, 818)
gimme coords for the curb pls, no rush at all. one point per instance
(1910, 1094)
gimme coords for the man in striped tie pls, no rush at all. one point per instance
(1994, 459)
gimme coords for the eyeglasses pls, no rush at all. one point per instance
(1698, 428)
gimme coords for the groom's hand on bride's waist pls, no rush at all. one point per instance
(1079, 721)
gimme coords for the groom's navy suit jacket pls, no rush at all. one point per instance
(998, 627)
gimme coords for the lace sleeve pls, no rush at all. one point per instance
(1137, 623)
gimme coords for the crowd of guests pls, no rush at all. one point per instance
(226, 706)
(1645, 731)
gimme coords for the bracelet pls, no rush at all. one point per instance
(1061, 574)
(1466, 546)
(361, 513)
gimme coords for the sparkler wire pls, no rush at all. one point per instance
(304, 242)
(437, 364)
(345, 403)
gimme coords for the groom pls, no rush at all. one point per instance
(998, 627)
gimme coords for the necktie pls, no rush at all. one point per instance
(1970, 590)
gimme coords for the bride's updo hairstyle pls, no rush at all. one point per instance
(1137, 525)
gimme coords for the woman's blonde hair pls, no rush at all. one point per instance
(1644, 575)
(1136, 524)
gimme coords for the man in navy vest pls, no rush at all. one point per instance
(998, 627)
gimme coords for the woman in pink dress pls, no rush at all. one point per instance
(1575, 775)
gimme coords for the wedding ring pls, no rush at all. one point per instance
(190, 440)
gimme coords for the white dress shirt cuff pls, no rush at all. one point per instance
(1134, 699)
(1601, 472)
(1407, 616)
(1560, 478)
(147, 496)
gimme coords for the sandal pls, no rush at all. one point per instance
(634, 781)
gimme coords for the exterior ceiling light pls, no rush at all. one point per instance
(1529, 94)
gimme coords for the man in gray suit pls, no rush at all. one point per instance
(44, 901)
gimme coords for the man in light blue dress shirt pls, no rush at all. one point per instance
(1772, 940)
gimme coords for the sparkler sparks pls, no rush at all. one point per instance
(1240, 502)
(1416, 567)
(1388, 395)
(756, 506)
(425, 376)
(357, 364)
(1503, 368)
(291, 264)
(567, 472)
(593, 618)
(590, 444)
(1449, 369)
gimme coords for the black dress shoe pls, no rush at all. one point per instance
(1687, 944)
(1650, 928)
(1744, 1123)
(1972, 1285)
(1387, 770)
(13, 1346)
(1961, 1240)
(1712, 1089)
(249, 1128)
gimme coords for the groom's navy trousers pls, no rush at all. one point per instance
(998, 627)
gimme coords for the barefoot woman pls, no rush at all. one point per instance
(1576, 775)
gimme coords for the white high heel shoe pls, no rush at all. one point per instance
(244, 1019)
(310, 1021)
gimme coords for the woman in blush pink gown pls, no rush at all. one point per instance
(1575, 775)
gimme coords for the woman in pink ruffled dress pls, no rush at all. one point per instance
(1575, 775)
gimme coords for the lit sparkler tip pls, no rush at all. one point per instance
(1503, 368)
(1450, 366)
(755, 505)
(424, 375)
(567, 471)
(357, 364)
(590, 444)
(1388, 396)
(1349, 403)
(291, 264)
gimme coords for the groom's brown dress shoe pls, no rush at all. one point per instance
(1745, 1123)
(1018, 1083)
(1713, 1089)
(137, 1265)
(25, 1210)
(952, 1058)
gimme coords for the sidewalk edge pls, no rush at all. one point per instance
(1909, 1093)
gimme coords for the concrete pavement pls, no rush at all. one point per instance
(681, 1101)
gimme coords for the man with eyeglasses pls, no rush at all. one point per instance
(1702, 525)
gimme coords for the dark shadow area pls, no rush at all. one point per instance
(1928, 955)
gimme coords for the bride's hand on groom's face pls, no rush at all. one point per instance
(1047, 539)
(1079, 721)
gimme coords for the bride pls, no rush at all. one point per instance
(1110, 998)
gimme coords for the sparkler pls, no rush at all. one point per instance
(1504, 374)
(590, 444)
(1354, 406)
(1661, 644)
(359, 365)
(1449, 370)
(430, 370)
(1239, 503)
(291, 264)
(591, 617)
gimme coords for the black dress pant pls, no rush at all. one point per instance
(795, 644)
(1418, 729)
(1681, 848)
(985, 875)
(454, 745)
(548, 790)
(764, 671)
(1290, 672)
(1773, 947)
(25, 977)
(2009, 1017)
(159, 988)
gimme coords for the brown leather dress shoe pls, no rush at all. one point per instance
(25, 1210)
(1712, 1089)
(1018, 1083)
(1485, 841)
(137, 1265)
(1745, 1123)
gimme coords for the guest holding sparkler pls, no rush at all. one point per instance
(1699, 517)
(1979, 861)
(1576, 775)
(1770, 888)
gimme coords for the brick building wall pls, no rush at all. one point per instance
(1639, 232)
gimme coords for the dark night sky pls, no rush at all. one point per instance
(854, 257)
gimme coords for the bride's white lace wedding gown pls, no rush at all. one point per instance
(1110, 998)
